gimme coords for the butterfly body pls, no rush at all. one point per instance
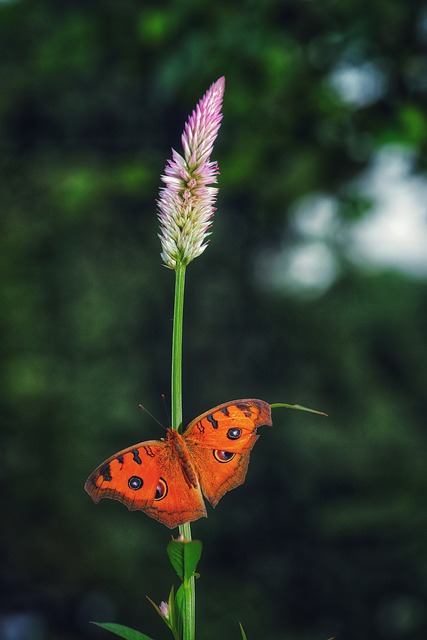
(166, 478)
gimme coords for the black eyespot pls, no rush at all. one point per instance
(223, 456)
(135, 483)
(234, 434)
(161, 490)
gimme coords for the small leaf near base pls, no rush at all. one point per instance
(122, 631)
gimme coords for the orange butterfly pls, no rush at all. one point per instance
(166, 478)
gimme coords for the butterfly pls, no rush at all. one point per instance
(166, 478)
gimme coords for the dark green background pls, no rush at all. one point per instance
(327, 536)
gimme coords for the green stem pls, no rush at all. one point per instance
(176, 380)
(189, 588)
(176, 400)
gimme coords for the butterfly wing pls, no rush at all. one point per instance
(220, 441)
(149, 477)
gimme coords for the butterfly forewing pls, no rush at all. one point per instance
(148, 477)
(231, 426)
(220, 441)
(119, 476)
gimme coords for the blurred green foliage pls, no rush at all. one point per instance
(327, 536)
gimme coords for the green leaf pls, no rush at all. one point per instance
(175, 551)
(277, 405)
(122, 631)
(179, 610)
(172, 608)
(184, 556)
(242, 631)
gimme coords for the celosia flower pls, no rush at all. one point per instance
(185, 205)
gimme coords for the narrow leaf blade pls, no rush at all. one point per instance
(122, 631)
(242, 631)
(298, 407)
(179, 610)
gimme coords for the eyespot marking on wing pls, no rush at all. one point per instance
(135, 483)
(234, 434)
(223, 456)
(161, 490)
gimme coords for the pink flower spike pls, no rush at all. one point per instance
(186, 202)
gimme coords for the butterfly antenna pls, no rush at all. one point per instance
(166, 408)
(141, 406)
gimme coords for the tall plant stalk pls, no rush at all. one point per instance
(185, 211)
(189, 604)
